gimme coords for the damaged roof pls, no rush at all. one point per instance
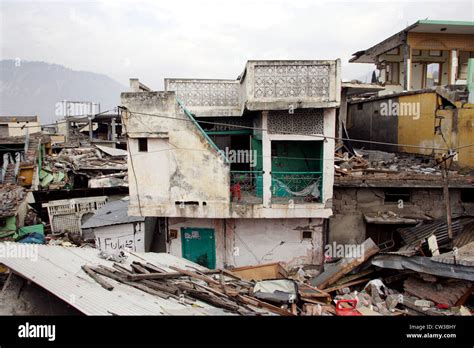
(58, 270)
(112, 213)
(421, 26)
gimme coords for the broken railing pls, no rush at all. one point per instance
(246, 186)
(298, 187)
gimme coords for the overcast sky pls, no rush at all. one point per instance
(204, 39)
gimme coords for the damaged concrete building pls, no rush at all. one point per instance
(422, 117)
(425, 104)
(240, 170)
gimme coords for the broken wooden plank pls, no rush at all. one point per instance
(346, 285)
(257, 303)
(349, 278)
(310, 291)
(138, 268)
(109, 274)
(344, 266)
(97, 278)
(153, 268)
(121, 268)
(314, 301)
(261, 272)
(192, 274)
(169, 275)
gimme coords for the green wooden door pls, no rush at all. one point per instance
(199, 245)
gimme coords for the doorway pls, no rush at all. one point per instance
(199, 246)
(432, 75)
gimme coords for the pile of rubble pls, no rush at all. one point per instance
(219, 288)
(370, 284)
(102, 166)
(368, 161)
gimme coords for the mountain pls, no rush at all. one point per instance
(35, 88)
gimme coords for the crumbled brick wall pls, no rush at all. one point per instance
(350, 204)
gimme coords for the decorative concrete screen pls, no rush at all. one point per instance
(283, 84)
(301, 121)
(207, 97)
(283, 81)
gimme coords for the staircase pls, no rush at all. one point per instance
(10, 177)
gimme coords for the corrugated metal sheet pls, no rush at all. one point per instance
(112, 213)
(58, 270)
(412, 235)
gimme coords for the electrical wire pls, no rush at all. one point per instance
(322, 136)
(134, 173)
(55, 124)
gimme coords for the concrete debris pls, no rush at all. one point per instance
(101, 166)
(364, 166)
(11, 197)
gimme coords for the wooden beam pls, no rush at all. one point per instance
(344, 266)
(169, 275)
(106, 285)
(192, 274)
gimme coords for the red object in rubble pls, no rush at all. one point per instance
(235, 190)
(346, 311)
(442, 306)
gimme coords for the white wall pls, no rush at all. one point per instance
(15, 130)
(114, 238)
(244, 242)
(180, 166)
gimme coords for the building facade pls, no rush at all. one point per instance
(241, 170)
(427, 70)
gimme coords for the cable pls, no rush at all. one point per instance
(134, 173)
(322, 136)
(54, 124)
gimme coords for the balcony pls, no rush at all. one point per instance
(246, 187)
(296, 187)
(287, 187)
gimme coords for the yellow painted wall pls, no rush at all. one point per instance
(420, 131)
(466, 135)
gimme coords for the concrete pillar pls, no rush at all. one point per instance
(114, 132)
(328, 155)
(453, 67)
(470, 80)
(342, 112)
(407, 67)
(266, 162)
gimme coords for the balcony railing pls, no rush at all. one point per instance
(246, 187)
(300, 187)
